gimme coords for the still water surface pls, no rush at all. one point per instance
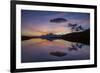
(42, 50)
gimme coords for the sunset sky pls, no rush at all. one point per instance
(37, 23)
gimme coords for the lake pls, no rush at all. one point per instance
(43, 50)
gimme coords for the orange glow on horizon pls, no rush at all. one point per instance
(45, 31)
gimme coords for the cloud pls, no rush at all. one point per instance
(58, 20)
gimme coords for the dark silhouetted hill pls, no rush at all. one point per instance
(82, 37)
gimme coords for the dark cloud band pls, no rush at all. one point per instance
(58, 20)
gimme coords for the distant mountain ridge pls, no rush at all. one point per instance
(82, 37)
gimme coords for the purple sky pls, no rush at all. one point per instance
(38, 22)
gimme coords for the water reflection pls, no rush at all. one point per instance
(58, 53)
(75, 46)
(41, 50)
